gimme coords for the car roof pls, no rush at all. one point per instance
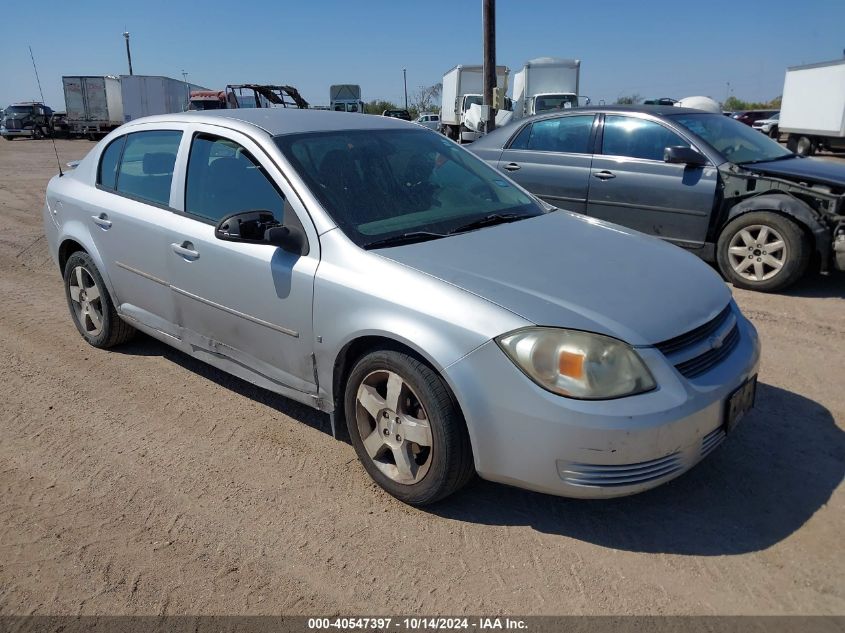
(278, 121)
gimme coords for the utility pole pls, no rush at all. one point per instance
(405, 81)
(128, 54)
(489, 81)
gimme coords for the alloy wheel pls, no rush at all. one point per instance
(757, 252)
(86, 299)
(394, 427)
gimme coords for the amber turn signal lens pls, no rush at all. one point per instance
(571, 365)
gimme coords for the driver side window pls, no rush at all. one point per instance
(223, 178)
(637, 138)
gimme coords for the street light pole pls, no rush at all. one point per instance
(405, 81)
(187, 89)
(128, 54)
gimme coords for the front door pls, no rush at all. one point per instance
(248, 305)
(631, 185)
(551, 158)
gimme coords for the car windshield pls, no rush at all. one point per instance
(380, 184)
(471, 101)
(19, 110)
(735, 141)
(555, 102)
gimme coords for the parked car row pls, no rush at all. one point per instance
(448, 320)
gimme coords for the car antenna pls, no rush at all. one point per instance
(52, 137)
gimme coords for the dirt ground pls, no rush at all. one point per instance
(140, 481)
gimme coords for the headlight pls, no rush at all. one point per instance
(577, 364)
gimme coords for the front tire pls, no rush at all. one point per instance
(90, 305)
(763, 251)
(406, 428)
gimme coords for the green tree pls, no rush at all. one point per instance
(630, 99)
(377, 106)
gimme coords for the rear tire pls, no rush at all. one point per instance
(90, 305)
(804, 146)
(763, 251)
(434, 458)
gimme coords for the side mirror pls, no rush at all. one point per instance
(289, 238)
(261, 227)
(684, 156)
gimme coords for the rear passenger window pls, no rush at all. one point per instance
(109, 161)
(569, 134)
(224, 178)
(637, 138)
(146, 169)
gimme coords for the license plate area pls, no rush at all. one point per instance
(740, 402)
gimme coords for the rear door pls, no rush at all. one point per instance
(130, 217)
(552, 158)
(631, 185)
(95, 99)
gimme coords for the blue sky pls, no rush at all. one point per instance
(650, 47)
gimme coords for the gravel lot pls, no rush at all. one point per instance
(140, 481)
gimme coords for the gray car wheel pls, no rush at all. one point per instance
(406, 427)
(90, 305)
(763, 251)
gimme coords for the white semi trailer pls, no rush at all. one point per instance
(546, 83)
(812, 110)
(346, 98)
(97, 104)
(463, 88)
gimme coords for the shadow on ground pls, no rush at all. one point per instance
(146, 346)
(777, 469)
(819, 286)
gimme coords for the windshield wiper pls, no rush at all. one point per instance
(767, 160)
(489, 220)
(404, 238)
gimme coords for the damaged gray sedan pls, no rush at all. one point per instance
(702, 181)
(447, 320)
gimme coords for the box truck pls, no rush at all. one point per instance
(346, 98)
(812, 111)
(462, 88)
(546, 83)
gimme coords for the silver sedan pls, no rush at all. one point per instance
(447, 320)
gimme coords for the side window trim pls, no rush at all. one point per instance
(99, 181)
(114, 191)
(214, 135)
(591, 147)
(599, 148)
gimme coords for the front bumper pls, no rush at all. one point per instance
(528, 437)
(15, 132)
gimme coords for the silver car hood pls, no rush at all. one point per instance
(567, 270)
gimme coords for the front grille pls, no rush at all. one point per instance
(694, 336)
(13, 124)
(606, 476)
(702, 348)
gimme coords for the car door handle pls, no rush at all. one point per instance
(604, 175)
(186, 250)
(102, 221)
(512, 167)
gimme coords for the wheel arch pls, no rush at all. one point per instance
(74, 239)
(354, 349)
(790, 207)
